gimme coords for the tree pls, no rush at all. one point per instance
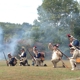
(64, 12)
(37, 34)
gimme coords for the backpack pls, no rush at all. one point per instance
(76, 42)
(42, 56)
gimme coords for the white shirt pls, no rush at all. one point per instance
(54, 55)
(22, 54)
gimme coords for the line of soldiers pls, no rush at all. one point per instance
(37, 60)
(57, 55)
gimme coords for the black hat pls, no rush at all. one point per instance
(22, 49)
(57, 45)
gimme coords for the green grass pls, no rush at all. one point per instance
(37, 73)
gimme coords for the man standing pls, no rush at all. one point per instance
(23, 58)
(56, 56)
(12, 60)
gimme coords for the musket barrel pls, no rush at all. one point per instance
(64, 54)
(5, 59)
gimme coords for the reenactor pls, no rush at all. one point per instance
(23, 58)
(74, 50)
(37, 56)
(73, 42)
(12, 60)
(56, 55)
(75, 55)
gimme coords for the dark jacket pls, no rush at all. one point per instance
(76, 43)
(24, 55)
(38, 55)
(11, 62)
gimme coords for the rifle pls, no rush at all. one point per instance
(31, 55)
(64, 64)
(64, 54)
(5, 59)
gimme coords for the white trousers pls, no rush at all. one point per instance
(38, 61)
(72, 62)
(55, 61)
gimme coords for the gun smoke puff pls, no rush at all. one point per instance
(1, 42)
(10, 45)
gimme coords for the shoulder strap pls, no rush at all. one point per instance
(60, 55)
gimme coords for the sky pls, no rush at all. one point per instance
(78, 0)
(19, 11)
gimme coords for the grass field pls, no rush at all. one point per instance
(38, 73)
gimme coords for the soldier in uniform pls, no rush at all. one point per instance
(73, 41)
(75, 54)
(40, 56)
(37, 56)
(12, 60)
(56, 56)
(74, 50)
(23, 58)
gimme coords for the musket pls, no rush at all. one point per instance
(64, 54)
(31, 55)
(5, 59)
(64, 64)
(62, 60)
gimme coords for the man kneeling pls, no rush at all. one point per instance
(37, 56)
(23, 58)
(56, 56)
(12, 60)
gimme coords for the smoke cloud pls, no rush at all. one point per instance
(11, 45)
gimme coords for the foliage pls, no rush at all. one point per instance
(77, 32)
(10, 30)
(37, 33)
(62, 10)
(58, 18)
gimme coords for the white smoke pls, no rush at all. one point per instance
(10, 45)
(1, 42)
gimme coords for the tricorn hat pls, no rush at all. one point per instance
(9, 54)
(22, 49)
(57, 45)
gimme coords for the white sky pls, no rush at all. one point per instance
(78, 0)
(19, 11)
